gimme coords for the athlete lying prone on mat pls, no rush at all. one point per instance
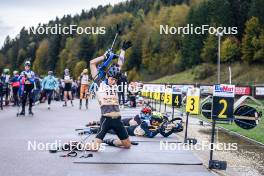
(145, 124)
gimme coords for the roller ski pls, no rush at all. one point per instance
(86, 104)
(30, 113)
(22, 113)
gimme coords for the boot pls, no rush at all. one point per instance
(22, 113)
(109, 141)
(80, 107)
(65, 104)
(30, 111)
(86, 103)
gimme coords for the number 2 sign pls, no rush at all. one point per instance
(193, 101)
(223, 102)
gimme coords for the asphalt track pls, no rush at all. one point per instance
(58, 124)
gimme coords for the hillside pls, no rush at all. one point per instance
(242, 74)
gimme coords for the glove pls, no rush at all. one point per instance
(126, 45)
(107, 53)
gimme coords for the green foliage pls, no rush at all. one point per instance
(210, 48)
(40, 65)
(78, 68)
(252, 43)
(203, 71)
(256, 10)
(230, 50)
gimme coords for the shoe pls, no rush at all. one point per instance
(48, 107)
(80, 106)
(71, 103)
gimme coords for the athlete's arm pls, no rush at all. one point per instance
(121, 58)
(148, 133)
(93, 65)
(125, 46)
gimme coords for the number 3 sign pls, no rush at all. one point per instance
(223, 102)
(193, 101)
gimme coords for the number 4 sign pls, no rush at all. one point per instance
(193, 101)
(223, 102)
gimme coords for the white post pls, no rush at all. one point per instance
(219, 58)
(230, 75)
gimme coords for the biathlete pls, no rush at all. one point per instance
(84, 88)
(49, 85)
(27, 84)
(108, 100)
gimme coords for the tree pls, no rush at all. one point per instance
(42, 56)
(87, 48)
(251, 42)
(230, 50)
(78, 68)
(209, 51)
(193, 44)
(256, 10)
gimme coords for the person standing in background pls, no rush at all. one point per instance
(1, 92)
(67, 81)
(15, 87)
(49, 84)
(122, 85)
(84, 84)
(27, 85)
(6, 88)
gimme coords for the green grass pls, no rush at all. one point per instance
(241, 74)
(183, 77)
(256, 133)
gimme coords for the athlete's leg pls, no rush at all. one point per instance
(122, 134)
(31, 99)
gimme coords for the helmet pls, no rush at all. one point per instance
(85, 70)
(157, 116)
(146, 110)
(27, 63)
(114, 71)
(50, 72)
(15, 72)
(6, 70)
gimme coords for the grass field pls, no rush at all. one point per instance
(256, 133)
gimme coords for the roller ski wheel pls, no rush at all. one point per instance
(22, 113)
(30, 113)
